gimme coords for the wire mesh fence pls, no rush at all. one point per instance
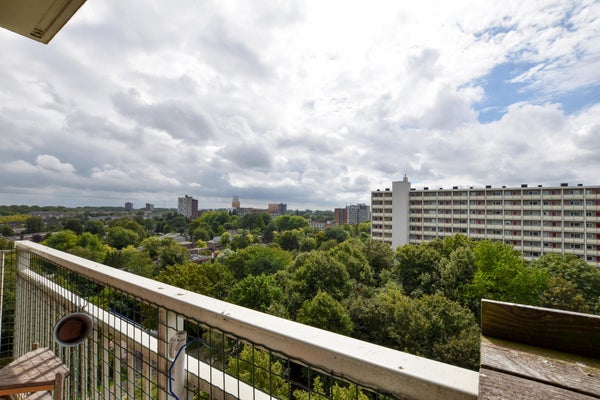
(128, 354)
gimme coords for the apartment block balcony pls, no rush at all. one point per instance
(227, 352)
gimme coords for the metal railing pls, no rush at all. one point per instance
(217, 349)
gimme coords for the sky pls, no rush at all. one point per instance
(309, 103)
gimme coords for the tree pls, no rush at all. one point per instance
(290, 222)
(317, 271)
(502, 274)
(379, 255)
(256, 260)
(416, 267)
(120, 237)
(430, 326)
(570, 278)
(324, 312)
(350, 254)
(94, 227)
(34, 224)
(289, 240)
(62, 240)
(209, 279)
(256, 292)
(337, 233)
(171, 253)
(130, 224)
(254, 221)
(137, 262)
(269, 233)
(92, 246)
(308, 244)
(6, 230)
(74, 225)
(242, 240)
(456, 272)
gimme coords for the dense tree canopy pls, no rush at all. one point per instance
(423, 298)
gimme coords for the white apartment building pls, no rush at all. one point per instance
(534, 220)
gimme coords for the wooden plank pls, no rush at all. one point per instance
(494, 385)
(560, 330)
(569, 371)
(34, 371)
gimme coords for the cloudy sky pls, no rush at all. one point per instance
(310, 103)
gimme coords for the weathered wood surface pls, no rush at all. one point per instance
(34, 371)
(558, 369)
(494, 385)
(561, 330)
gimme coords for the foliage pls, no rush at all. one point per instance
(324, 312)
(34, 224)
(502, 274)
(210, 279)
(171, 253)
(290, 240)
(350, 253)
(379, 255)
(260, 369)
(120, 237)
(290, 222)
(254, 221)
(430, 326)
(417, 267)
(338, 392)
(130, 224)
(256, 260)
(63, 240)
(242, 240)
(573, 284)
(260, 293)
(317, 271)
(94, 227)
(6, 230)
(74, 225)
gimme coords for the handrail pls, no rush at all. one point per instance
(391, 371)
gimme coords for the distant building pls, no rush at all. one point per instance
(352, 215)
(250, 210)
(128, 206)
(235, 203)
(149, 207)
(277, 209)
(187, 206)
(358, 213)
(340, 216)
(319, 225)
(534, 220)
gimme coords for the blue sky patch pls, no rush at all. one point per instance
(500, 92)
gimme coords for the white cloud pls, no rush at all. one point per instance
(309, 103)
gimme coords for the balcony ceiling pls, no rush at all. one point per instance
(39, 20)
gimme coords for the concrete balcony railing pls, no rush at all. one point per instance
(228, 351)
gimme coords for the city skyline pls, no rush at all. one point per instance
(309, 104)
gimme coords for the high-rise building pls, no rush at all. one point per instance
(235, 203)
(149, 207)
(187, 206)
(352, 215)
(128, 206)
(358, 213)
(534, 220)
